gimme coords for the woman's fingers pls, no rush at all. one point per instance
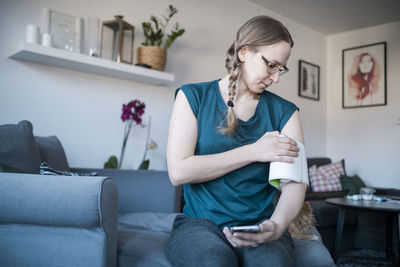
(287, 140)
(273, 146)
(242, 239)
(240, 243)
(289, 147)
(288, 153)
(236, 242)
(284, 159)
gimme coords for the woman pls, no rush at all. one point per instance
(223, 135)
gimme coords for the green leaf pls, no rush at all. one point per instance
(172, 11)
(112, 163)
(155, 21)
(172, 37)
(154, 30)
(144, 165)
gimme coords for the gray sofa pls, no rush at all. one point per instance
(118, 218)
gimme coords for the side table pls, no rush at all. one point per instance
(390, 210)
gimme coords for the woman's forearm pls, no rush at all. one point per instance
(289, 205)
(203, 168)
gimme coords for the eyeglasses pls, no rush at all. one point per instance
(272, 68)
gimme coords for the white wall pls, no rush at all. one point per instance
(369, 137)
(84, 110)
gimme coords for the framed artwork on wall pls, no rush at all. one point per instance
(308, 80)
(65, 30)
(364, 76)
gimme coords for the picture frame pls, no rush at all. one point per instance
(65, 29)
(309, 80)
(364, 76)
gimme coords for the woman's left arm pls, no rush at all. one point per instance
(289, 204)
(293, 194)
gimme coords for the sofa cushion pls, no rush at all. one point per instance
(153, 221)
(52, 152)
(18, 148)
(143, 237)
(318, 161)
(352, 184)
(142, 248)
(6, 168)
(326, 178)
(312, 252)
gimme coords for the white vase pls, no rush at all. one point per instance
(92, 40)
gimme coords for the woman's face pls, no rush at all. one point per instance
(255, 74)
(366, 64)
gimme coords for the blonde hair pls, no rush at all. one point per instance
(258, 31)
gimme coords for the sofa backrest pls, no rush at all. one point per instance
(318, 161)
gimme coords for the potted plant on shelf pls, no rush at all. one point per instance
(153, 51)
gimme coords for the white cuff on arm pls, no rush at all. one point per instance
(296, 172)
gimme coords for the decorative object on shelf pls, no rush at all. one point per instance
(308, 80)
(32, 34)
(131, 112)
(153, 51)
(153, 56)
(92, 36)
(65, 29)
(364, 76)
(46, 39)
(150, 145)
(117, 40)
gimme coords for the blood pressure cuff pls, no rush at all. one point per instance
(282, 172)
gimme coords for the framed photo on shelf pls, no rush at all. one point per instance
(65, 30)
(308, 80)
(364, 76)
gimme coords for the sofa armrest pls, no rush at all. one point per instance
(142, 190)
(51, 206)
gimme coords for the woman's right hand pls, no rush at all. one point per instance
(274, 147)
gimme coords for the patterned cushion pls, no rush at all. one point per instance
(326, 178)
(47, 170)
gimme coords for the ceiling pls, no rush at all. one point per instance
(334, 16)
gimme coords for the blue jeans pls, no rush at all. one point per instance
(200, 242)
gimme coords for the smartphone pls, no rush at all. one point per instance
(245, 228)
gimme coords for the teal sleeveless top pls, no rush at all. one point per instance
(244, 195)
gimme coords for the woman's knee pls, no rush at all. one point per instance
(214, 254)
(275, 253)
(197, 242)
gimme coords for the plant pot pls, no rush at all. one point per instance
(152, 55)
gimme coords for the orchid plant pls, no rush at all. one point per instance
(150, 145)
(131, 113)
